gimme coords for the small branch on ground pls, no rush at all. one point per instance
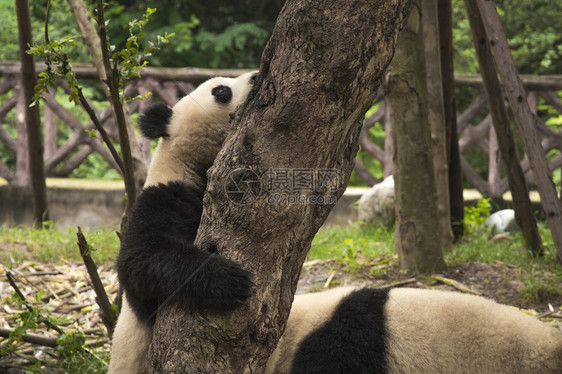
(456, 284)
(398, 284)
(31, 338)
(28, 304)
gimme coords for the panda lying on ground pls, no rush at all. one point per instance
(158, 262)
(412, 331)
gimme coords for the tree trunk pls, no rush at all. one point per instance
(319, 73)
(494, 165)
(524, 215)
(21, 177)
(388, 167)
(436, 117)
(32, 117)
(417, 240)
(456, 199)
(51, 131)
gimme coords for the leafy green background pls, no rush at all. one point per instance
(217, 34)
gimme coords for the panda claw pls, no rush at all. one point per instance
(225, 285)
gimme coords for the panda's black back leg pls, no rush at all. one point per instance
(351, 341)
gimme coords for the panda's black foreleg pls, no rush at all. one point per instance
(158, 262)
(188, 277)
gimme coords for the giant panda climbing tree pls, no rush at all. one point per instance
(318, 76)
(321, 64)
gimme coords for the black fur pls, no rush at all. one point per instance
(154, 121)
(158, 262)
(351, 341)
(222, 94)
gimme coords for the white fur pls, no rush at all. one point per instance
(129, 349)
(196, 131)
(433, 331)
(449, 332)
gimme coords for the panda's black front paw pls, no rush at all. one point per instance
(225, 285)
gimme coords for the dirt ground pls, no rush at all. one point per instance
(499, 281)
(66, 292)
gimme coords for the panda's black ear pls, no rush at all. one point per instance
(154, 121)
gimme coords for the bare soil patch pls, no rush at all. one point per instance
(499, 281)
(65, 290)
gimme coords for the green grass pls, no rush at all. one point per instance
(85, 364)
(342, 242)
(540, 275)
(353, 245)
(476, 247)
(18, 244)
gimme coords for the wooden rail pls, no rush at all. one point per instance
(169, 84)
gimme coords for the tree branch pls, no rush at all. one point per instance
(101, 130)
(5, 137)
(31, 338)
(112, 81)
(108, 315)
(364, 173)
(27, 304)
(74, 161)
(6, 173)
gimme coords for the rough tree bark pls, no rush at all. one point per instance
(319, 73)
(32, 117)
(436, 116)
(21, 177)
(456, 199)
(50, 129)
(388, 167)
(417, 240)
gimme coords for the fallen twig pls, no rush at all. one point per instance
(397, 284)
(329, 280)
(28, 304)
(456, 284)
(31, 338)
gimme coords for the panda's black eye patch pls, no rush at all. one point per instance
(222, 94)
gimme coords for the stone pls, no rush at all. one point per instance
(502, 221)
(377, 204)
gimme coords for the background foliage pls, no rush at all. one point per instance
(218, 34)
(229, 35)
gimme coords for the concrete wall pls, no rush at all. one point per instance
(67, 206)
(90, 208)
(96, 207)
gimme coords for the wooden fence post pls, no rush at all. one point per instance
(524, 118)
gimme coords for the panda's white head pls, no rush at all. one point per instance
(192, 132)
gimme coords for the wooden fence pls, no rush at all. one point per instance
(479, 135)
(62, 156)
